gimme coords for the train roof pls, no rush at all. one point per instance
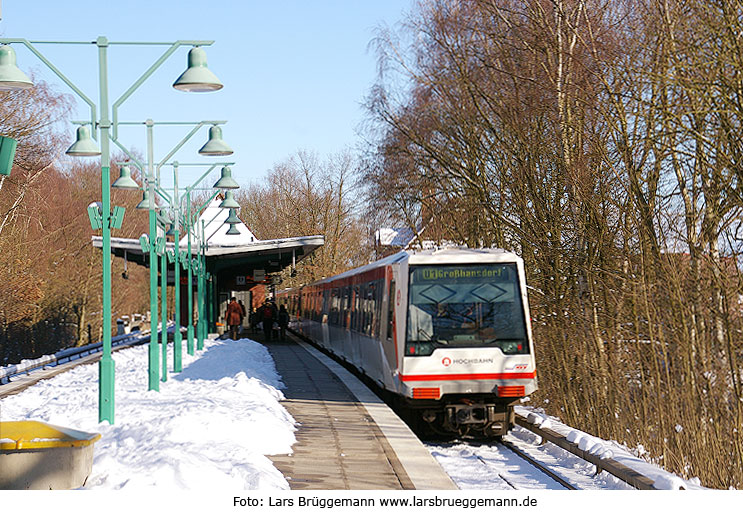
(447, 255)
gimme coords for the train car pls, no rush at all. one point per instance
(445, 333)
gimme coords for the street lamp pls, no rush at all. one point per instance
(229, 201)
(11, 79)
(225, 181)
(189, 223)
(84, 145)
(125, 181)
(215, 146)
(153, 186)
(197, 77)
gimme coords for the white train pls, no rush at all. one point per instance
(445, 333)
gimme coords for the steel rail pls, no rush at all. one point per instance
(541, 467)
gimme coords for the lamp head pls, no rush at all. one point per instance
(229, 201)
(11, 77)
(84, 145)
(165, 216)
(216, 145)
(125, 180)
(233, 218)
(225, 181)
(145, 203)
(197, 77)
(233, 230)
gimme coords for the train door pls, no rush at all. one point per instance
(387, 326)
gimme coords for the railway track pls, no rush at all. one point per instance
(499, 465)
(541, 467)
(627, 475)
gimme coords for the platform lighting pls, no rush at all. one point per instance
(226, 182)
(215, 146)
(146, 203)
(125, 181)
(11, 77)
(233, 218)
(165, 217)
(84, 145)
(197, 77)
(229, 201)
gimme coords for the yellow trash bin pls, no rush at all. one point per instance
(36, 455)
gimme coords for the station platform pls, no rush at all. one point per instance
(347, 437)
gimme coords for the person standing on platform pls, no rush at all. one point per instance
(283, 322)
(233, 317)
(267, 316)
(242, 317)
(255, 319)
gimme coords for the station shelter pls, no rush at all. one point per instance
(237, 264)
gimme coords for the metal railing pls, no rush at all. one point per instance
(70, 354)
(616, 468)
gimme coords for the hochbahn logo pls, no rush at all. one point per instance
(446, 361)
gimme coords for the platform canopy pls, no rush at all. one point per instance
(231, 256)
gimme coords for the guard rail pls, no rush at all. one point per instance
(70, 354)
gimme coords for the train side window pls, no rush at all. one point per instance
(391, 309)
(368, 294)
(346, 307)
(378, 295)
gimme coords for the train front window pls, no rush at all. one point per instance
(456, 306)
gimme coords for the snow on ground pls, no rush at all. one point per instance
(493, 466)
(211, 425)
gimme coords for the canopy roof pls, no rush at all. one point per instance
(242, 252)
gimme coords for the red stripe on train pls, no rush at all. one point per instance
(466, 376)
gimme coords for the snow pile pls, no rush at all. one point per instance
(210, 426)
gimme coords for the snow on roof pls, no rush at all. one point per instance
(394, 237)
(215, 229)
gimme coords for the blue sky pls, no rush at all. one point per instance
(295, 72)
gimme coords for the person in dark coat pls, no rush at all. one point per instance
(255, 319)
(267, 317)
(233, 317)
(283, 322)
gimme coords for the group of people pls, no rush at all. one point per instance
(273, 321)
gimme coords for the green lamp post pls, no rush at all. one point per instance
(162, 247)
(154, 188)
(225, 182)
(7, 154)
(11, 79)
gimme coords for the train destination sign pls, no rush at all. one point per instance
(463, 273)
